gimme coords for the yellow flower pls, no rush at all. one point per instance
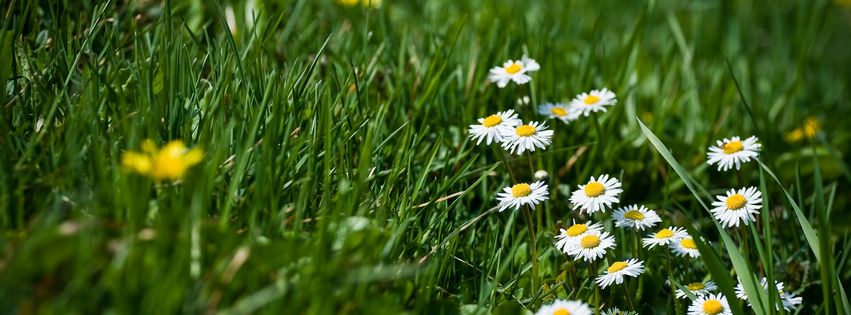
(808, 131)
(169, 163)
(365, 3)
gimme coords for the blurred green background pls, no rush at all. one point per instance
(337, 175)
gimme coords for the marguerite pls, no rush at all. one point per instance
(685, 247)
(710, 304)
(788, 300)
(619, 269)
(563, 307)
(594, 101)
(513, 70)
(567, 239)
(732, 152)
(492, 127)
(560, 111)
(636, 217)
(523, 194)
(597, 195)
(592, 246)
(699, 289)
(737, 206)
(526, 137)
(664, 236)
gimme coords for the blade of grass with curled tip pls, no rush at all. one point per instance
(756, 296)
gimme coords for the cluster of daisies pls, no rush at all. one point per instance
(588, 241)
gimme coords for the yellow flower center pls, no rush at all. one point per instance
(492, 120)
(521, 190)
(576, 229)
(558, 111)
(732, 147)
(617, 266)
(513, 68)
(694, 286)
(561, 311)
(594, 189)
(525, 130)
(688, 243)
(590, 241)
(712, 307)
(634, 215)
(736, 202)
(665, 233)
(591, 100)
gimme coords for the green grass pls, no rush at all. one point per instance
(338, 177)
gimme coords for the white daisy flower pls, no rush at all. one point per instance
(619, 269)
(710, 304)
(541, 174)
(788, 300)
(561, 111)
(737, 206)
(732, 152)
(636, 217)
(699, 289)
(592, 246)
(489, 128)
(563, 307)
(685, 247)
(594, 101)
(617, 311)
(664, 237)
(523, 194)
(567, 239)
(513, 70)
(522, 101)
(597, 195)
(527, 137)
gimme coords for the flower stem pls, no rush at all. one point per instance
(671, 281)
(628, 297)
(507, 167)
(533, 247)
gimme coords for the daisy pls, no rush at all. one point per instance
(664, 236)
(737, 206)
(788, 300)
(685, 247)
(592, 246)
(617, 311)
(563, 307)
(636, 217)
(618, 270)
(567, 239)
(732, 152)
(527, 137)
(492, 127)
(594, 101)
(699, 289)
(513, 70)
(522, 194)
(711, 304)
(561, 111)
(597, 195)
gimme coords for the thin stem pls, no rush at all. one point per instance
(533, 247)
(507, 167)
(628, 297)
(637, 247)
(597, 129)
(531, 165)
(671, 281)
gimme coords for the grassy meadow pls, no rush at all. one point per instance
(325, 163)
